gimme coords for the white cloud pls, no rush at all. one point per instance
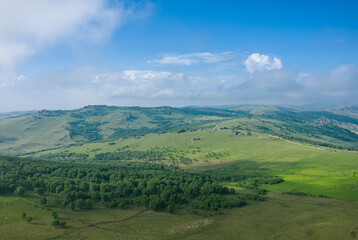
(260, 62)
(10, 80)
(79, 87)
(342, 81)
(191, 58)
(338, 86)
(145, 83)
(26, 27)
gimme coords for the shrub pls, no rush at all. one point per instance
(19, 191)
(58, 223)
(54, 215)
(43, 200)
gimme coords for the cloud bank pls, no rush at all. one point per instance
(266, 83)
(76, 88)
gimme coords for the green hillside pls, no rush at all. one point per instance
(14, 114)
(51, 129)
(48, 129)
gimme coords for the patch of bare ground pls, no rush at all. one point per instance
(200, 223)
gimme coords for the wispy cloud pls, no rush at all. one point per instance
(10, 80)
(260, 62)
(148, 84)
(26, 27)
(191, 58)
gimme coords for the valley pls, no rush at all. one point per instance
(279, 175)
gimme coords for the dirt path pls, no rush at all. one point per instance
(95, 225)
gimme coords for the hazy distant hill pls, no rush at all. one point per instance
(351, 111)
(48, 129)
(14, 114)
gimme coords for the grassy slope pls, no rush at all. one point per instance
(347, 111)
(280, 217)
(14, 114)
(49, 129)
(312, 170)
(31, 133)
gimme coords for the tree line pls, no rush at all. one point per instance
(78, 186)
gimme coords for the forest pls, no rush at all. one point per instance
(155, 186)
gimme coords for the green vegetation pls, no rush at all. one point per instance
(58, 223)
(183, 173)
(128, 184)
(304, 168)
(299, 217)
(52, 129)
(54, 215)
(87, 130)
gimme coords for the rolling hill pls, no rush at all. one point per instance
(51, 129)
(283, 166)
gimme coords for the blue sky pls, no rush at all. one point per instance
(149, 53)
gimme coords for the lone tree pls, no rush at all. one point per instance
(23, 215)
(28, 219)
(62, 223)
(55, 223)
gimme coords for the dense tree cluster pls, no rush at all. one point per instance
(154, 154)
(79, 186)
(149, 155)
(65, 156)
(126, 132)
(87, 130)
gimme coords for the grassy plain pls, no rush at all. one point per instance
(279, 217)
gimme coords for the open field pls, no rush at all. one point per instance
(280, 217)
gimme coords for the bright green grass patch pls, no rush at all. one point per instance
(340, 188)
(11, 209)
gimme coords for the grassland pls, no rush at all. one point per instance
(248, 139)
(280, 217)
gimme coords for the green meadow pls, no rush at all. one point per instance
(279, 217)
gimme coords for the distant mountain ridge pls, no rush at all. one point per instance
(15, 114)
(45, 129)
